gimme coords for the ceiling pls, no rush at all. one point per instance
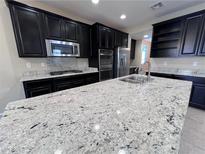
(108, 11)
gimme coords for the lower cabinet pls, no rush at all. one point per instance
(46, 86)
(37, 87)
(198, 96)
(67, 83)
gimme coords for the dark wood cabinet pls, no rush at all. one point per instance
(198, 95)
(191, 35)
(84, 38)
(59, 28)
(121, 39)
(70, 30)
(201, 51)
(27, 24)
(132, 49)
(54, 26)
(166, 39)
(182, 36)
(106, 38)
(68, 82)
(37, 87)
(45, 86)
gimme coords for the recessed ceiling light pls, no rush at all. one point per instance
(146, 36)
(123, 16)
(95, 1)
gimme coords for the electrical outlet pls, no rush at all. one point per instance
(28, 65)
(195, 64)
(165, 63)
(43, 65)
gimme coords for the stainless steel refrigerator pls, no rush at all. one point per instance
(121, 62)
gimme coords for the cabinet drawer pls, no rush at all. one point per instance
(33, 92)
(68, 85)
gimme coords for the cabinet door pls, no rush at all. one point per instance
(132, 51)
(38, 91)
(27, 24)
(84, 38)
(110, 38)
(201, 50)
(102, 37)
(54, 27)
(198, 96)
(92, 78)
(106, 38)
(191, 35)
(125, 40)
(37, 87)
(118, 39)
(70, 30)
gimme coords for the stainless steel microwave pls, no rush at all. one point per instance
(56, 48)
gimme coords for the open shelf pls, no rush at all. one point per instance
(166, 40)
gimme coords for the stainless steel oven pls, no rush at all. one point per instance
(105, 64)
(56, 48)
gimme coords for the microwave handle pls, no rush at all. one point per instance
(73, 49)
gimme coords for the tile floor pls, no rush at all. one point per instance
(193, 135)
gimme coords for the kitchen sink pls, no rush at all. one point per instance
(136, 79)
(65, 72)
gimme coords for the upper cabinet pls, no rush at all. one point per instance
(27, 24)
(121, 39)
(54, 26)
(70, 30)
(59, 28)
(106, 37)
(191, 35)
(84, 38)
(167, 38)
(201, 50)
(182, 36)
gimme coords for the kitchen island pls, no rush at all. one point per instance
(107, 117)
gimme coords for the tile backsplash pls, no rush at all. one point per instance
(46, 65)
(185, 65)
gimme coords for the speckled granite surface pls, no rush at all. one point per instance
(107, 117)
(47, 76)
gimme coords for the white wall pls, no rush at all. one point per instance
(11, 66)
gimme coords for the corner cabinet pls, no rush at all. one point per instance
(27, 25)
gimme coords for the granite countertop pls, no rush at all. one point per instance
(46, 76)
(106, 117)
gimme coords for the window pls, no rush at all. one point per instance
(144, 50)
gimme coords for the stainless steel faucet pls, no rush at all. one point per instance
(142, 72)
